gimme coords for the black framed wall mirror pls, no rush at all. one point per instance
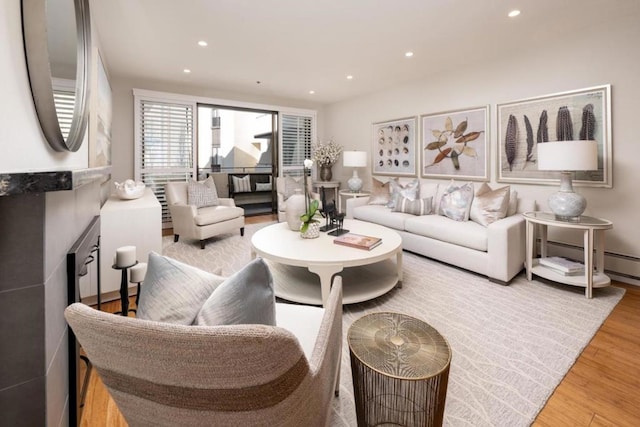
(57, 40)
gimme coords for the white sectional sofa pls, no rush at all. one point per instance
(496, 251)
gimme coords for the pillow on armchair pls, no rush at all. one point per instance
(247, 297)
(173, 291)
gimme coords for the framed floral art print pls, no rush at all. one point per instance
(455, 144)
(394, 147)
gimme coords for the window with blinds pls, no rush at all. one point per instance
(165, 145)
(296, 134)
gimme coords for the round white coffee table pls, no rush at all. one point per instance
(298, 263)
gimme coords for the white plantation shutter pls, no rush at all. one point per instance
(65, 101)
(165, 145)
(296, 133)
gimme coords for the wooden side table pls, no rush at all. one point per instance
(400, 370)
(352, 194)
(593, 231)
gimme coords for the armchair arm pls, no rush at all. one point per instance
(224, 201)
(506, 247)
(327, 352)
(182, 217)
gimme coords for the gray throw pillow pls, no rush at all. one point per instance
(247, 297)
(414, 207)
(174, 292)
(456, 202)
(203, 193)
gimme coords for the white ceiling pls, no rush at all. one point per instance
(294, 46)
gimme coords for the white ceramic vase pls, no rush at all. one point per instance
(312, 232)
(295, 208)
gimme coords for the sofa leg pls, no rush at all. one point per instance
(241, 231)
(176, 237)
(201, 244)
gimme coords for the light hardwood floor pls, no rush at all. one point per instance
(601, 389)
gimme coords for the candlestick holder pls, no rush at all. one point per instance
(124, 288)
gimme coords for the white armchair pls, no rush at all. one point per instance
(285, 187)
(164, 374)
(201, 223)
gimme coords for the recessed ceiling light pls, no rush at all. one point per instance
(408, 54)
(186, 71)
(203, 43)
(514, 13)
(311, 92)
(349, 77)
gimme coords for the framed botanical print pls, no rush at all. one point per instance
(393, 147)
(455, 144)
(583, 114)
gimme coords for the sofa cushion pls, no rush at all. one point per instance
(456, 202)
(202, 193)
(468, 234)
(173, 291)
(380, 192)
(381, 215)
(215, 214)
(428, 189)
(247, 297)
(303, 321)
(489, 205)
(414, 207)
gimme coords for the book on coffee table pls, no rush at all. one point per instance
(358, 241)
(563, 265)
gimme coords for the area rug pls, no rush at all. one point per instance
(511, 345)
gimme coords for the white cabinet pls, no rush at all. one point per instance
(128, 223)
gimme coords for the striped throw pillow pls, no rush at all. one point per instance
(414, 207)
(241, 185)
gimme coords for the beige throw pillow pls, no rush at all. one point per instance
(489, 205)
(380, 193)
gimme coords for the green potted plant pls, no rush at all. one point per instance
(310, 227)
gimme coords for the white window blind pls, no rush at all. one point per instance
(65, 101)
(164, 145)
(296, 136)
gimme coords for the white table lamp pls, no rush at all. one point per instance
(355, 160)
(567, 156)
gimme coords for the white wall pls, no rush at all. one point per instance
(608, 54)
(22, 143)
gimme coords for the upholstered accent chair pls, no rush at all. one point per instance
(201, 223)
(162, 374)
(285, 188)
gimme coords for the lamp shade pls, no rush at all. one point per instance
(568, 156)
(354, 159)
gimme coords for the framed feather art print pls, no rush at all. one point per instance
(583, 114)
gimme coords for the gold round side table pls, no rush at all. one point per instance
(400, 370)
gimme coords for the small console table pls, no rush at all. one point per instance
(593, 230)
